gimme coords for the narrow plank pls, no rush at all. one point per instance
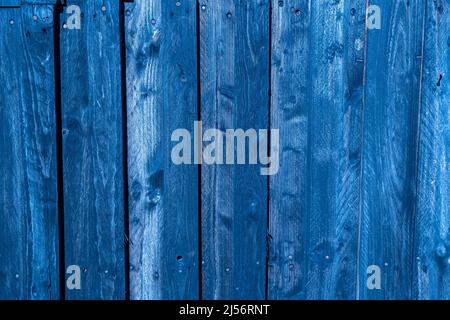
(28, 196)
(390, 147)
(317, 85)
(432, 241)
(92, 150)
(161, 97)
(234, 57)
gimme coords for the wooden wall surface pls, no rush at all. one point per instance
(88, 120)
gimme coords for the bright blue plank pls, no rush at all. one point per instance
(162, 96)
(317, 85)
(92, 151)
(390, 148)
(234, 57)
(432, 241)
(28, 191)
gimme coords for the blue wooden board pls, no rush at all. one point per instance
(432, 227)
(317, 84)
(391, 104)
(88, 178)
(28, 198)
(234, 80)
(92, 161)
(163, 198)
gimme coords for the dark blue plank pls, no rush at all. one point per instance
(390, 148)
(28, 191)
(92, 150)
(234, 57)
(162, 96)
(317, 85)
(432, 241)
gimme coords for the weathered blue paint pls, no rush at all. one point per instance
(364, 139)
(234, 58)
(317, 85)
(389, 162)
(432, 233)
(161, 97)
(92, 151)
(28, 189)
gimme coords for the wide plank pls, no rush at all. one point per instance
(161, 61)
(432, 232)
(234, 61)
(92, 158)
(28, 193)
(391, 107)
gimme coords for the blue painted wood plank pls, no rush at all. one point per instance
(390, 146)
(161, 97)
(432, 240)
(234, 57)
(317, 85)
(92, 150)
(28, 191)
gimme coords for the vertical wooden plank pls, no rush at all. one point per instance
(289, 112)
(162, 97)
(390, 146)
(317, 85)
(432, 241)
(234, 53)
(28, 191)
(92, 150)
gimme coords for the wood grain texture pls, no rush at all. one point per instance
(92, 151)
(364, 170)
(432, 233)
(162, 96)
(390, 148)
(28, 196)
(234, 57)
(317, 85)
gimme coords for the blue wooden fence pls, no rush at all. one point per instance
(87, 179)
